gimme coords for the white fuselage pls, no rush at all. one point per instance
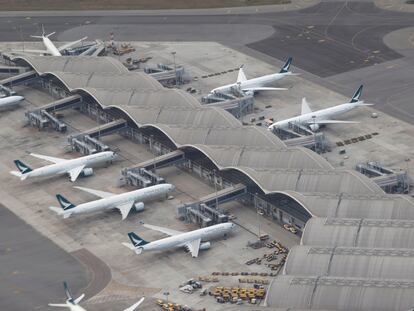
(140, 195)
(180, 240)
(308, 118)
(251, 83)
(10, 101)
(65, 166)
(50, 47)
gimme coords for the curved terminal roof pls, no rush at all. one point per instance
(357, 294)
(371, 263)
(358, 211)
(348, 232)
(181, 118)
(345, 205)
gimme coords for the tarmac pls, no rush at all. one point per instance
(32, 267)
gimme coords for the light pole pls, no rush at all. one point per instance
(175, 68)
(313, 130)
(257, 213)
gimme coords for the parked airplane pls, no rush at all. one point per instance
(324, 116)
(256, 84)
(51, 49)
(193, 241)
(73, 304)
(73, 167)
(10, 101)
(123, 202)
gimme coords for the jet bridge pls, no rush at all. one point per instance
(88, 142)
(389, 180)
(166, 75)
(12, 69)
(45, 116)
(237, 106)
(144, 174)
(21, 78)
(298, 135)
(206, 212)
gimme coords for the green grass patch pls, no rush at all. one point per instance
(45, 5)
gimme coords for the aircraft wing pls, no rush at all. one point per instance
(98, 193)
(263, 88)
(70, 44)
(77, 300)
(60, 305)
(47, 158)
(331, 122)
(135, 305)
(193, 247)
(125, 208)
(75, 172)
(167, 231)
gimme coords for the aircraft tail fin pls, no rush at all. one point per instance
(286, 66)
(241, 77)
(23, 168)
(64, 203)
(136, 240)
(305, 107)
(67, 291)
(357, 95)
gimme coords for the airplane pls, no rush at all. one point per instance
(10, 101)
(51, 49)
(251, 86)
(123, 202)
(73, 167)
(73, 304)
(314, 119)
(193, 241)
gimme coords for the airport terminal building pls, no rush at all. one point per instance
(357, 245)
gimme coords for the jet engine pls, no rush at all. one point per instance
(87, 172)
(139, 206)
(314, 127)
(205, 245)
